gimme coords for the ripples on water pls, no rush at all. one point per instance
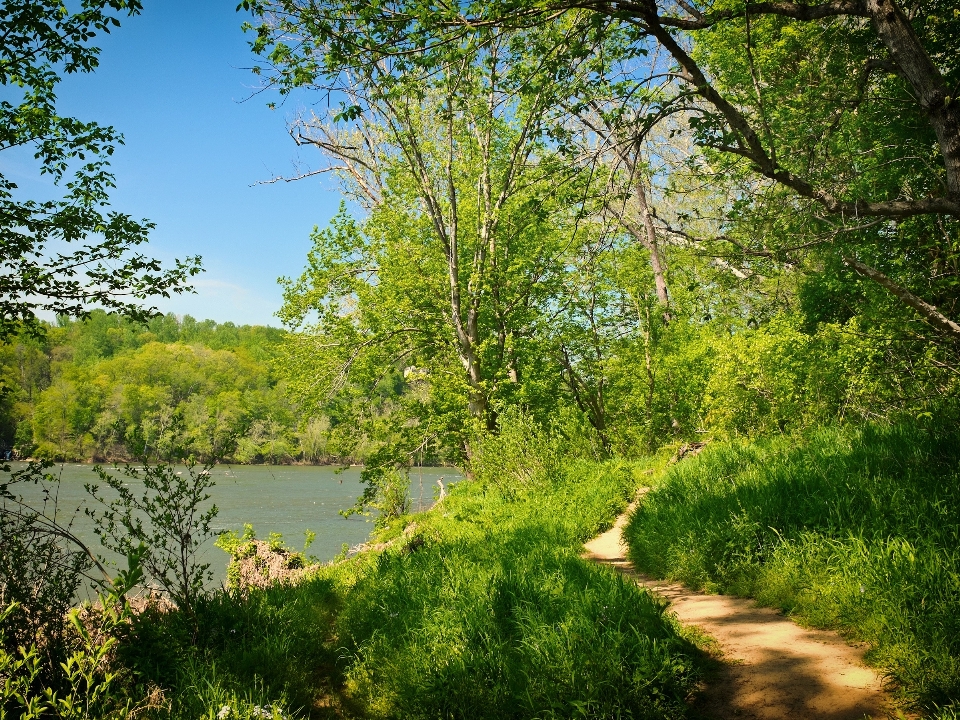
(289, 499)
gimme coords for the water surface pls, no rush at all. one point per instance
(285, 499)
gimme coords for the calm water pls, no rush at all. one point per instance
(285, 499)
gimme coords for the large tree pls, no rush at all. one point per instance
(467, 156)
(847, 108)
(68, 254)
(471, 222)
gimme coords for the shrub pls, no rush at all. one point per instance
(42, 565)
(90, 687)
(521, 455)
(168, 518)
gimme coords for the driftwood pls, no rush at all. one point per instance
(688, 450)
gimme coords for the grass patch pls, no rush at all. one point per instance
(269, 649)
(484, 610)
(856, 529)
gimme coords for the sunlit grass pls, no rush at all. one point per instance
(854, 529)
(496, 615)
(484, 610)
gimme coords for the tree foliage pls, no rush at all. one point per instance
(841, 115)
(453, 276)
(747, 223)
(41, 267)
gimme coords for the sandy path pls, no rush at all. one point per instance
(771, 668)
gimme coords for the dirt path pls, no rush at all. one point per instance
(771, 667)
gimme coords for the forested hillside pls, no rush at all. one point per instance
(107, 388)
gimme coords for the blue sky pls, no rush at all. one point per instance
(172, 80)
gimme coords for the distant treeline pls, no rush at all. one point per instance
(108, 389)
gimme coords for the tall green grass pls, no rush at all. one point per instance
(495, 615)
(484, 609)
(268, 650)
(856, 529)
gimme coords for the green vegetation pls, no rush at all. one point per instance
(480, 608)
(856, 529)
(579, 235)
(497, 616)
(106, 388)
(548, 218)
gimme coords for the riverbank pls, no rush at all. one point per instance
(330, 463)
(482, 609)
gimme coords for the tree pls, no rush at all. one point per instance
(469, 161)
(845, 109)
(40, 267)
(472, 216)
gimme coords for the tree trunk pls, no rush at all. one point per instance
(653, 246)
(929, 87)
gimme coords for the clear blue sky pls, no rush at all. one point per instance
(172, 81)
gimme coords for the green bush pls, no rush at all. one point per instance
(855, 529)
(170, 516)
(90, 686)
(520, 455)
(268, 648)
(42, 566)
(724, 380)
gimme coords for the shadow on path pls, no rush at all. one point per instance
(771, 668)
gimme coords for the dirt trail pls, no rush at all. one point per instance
(771, 668)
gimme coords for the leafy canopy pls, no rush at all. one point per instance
(39, 268)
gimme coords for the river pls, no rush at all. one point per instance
(289, 499)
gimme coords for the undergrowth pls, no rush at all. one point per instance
(481, 608)
(856, 529)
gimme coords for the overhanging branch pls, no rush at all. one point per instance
(929, 312)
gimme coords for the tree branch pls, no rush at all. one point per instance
(930, 313)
